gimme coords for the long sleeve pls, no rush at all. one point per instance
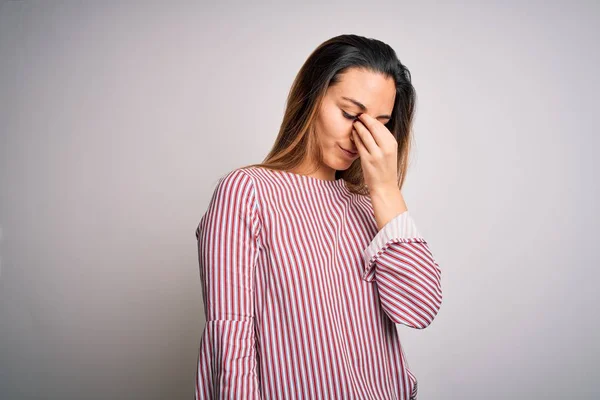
(408, 278)
(228, 247)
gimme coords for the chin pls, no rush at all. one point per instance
(342, 165)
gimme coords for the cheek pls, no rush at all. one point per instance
(332, 126)
(337, 126)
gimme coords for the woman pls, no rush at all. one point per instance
(309, 259)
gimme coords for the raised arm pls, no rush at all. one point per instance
(227, 253)
(408, 278)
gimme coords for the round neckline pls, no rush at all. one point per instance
(308, 178)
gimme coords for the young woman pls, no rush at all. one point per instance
(309, 259)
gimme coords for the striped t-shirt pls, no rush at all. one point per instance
(302, 291)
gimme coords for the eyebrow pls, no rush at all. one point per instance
(363, 107)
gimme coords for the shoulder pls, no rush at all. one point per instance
(236, 183)
(234, 194)
(260, 178)
(233, 199)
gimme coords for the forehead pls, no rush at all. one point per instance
(374, 90)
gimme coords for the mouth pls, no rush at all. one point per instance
(349, 153)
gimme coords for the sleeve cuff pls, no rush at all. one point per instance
(401, 228)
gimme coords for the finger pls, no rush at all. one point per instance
(374, 126)
(360, 146)
(365, 135)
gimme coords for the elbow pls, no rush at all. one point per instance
(433, 304)
(430, 316)
(432, 309)
(416, 315)
(420, 322)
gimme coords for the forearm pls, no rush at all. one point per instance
(388, 203)
(399, 260)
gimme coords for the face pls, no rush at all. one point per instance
(339, 109)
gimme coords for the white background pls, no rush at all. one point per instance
(117, 118)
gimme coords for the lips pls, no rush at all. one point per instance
(348, 153)
(353, 152)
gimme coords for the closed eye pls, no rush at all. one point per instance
(349, 116)
(354, 117)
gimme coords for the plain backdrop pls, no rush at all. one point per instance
(117, 119)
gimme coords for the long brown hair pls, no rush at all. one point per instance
(296, 139)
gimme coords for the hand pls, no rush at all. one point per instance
(378, 150)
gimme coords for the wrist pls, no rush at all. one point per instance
(384, 190)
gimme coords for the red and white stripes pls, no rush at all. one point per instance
(227, 256)
(302, 293)
(408, 277)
